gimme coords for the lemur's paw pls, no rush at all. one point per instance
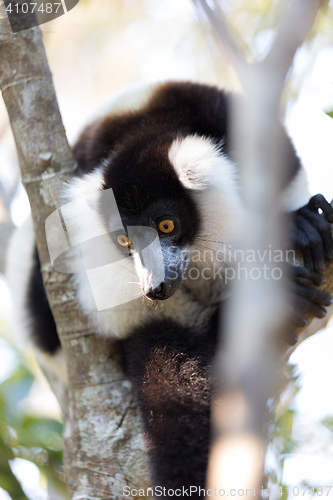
(310, 302)
(312, 233)
(308, 274)
(307, 300)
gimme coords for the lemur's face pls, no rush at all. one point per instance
(159, 215)
(159, 237)
(168, 197)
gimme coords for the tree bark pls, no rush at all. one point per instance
(103, 442)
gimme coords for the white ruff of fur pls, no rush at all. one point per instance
(18, 267)
(211, 178)
(297, 194)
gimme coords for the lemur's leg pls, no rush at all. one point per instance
(170, 367)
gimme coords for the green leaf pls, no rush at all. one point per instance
(28, 436)
(328, 422)
(9, 483)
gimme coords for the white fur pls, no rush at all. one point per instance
(297, 194)
(211, 177)
(119, 321)
(79, 197)
(131, 98)
(18, 267)
(151, 274)
(81, 187)
(195, 159)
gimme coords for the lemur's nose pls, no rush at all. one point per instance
(158, 289)
(157, 293)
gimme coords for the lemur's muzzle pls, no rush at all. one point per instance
(161, 264)
(165, 289)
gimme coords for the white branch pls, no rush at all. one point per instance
(226, 37)
(246, 367)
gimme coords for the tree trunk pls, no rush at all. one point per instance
(103, 443)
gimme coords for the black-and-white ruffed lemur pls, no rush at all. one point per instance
(164, 150)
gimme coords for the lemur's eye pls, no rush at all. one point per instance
(123, 240)
(166, 226)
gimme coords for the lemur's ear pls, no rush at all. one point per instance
(195, 160)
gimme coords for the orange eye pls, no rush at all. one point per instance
(123, 240)
(166, 226)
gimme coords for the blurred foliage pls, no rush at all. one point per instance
(328, 422)
(281, 417)
(27, 436)
(291, 435)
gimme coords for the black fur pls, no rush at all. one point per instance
(42, 326)
(312, 233)
(156, 193)
(176, 109)
(170, 367)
